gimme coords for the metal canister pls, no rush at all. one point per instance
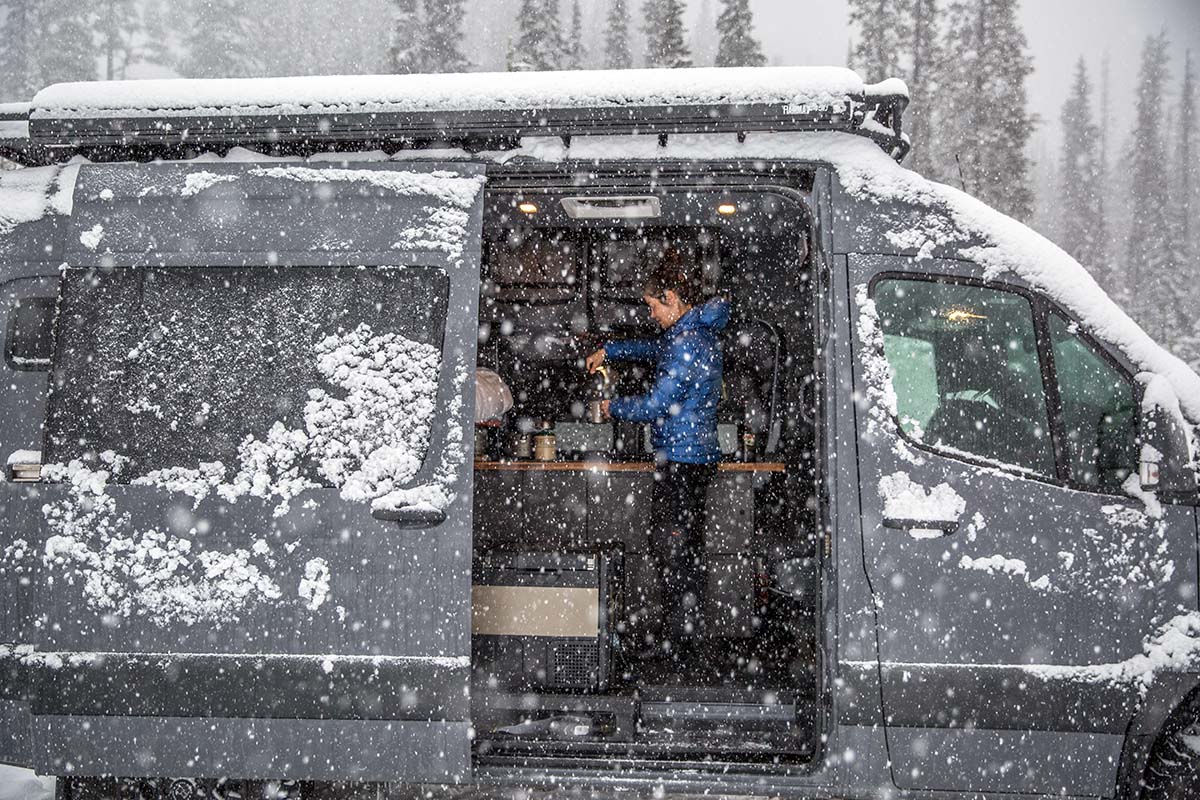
(545, 444)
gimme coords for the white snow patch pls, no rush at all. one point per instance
(314, 586)
(91, 237)
(147, 573)
(197, 182)
(24, 784)
(904, 499)
(24, 457)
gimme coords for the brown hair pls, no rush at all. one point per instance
(673, 273)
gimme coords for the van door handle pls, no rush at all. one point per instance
(946, 526)
(411, 516)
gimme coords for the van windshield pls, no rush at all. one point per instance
(316, 374)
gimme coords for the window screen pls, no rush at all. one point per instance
(1098, 410)
(966, 371)
(29, 340)
(174, 367)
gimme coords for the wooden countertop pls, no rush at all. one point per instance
(600, 465)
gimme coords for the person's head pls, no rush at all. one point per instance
(670, 291)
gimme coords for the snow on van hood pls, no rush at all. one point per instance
(820, 86)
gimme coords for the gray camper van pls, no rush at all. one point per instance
(250, 532)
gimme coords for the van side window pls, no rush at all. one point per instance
(1098, 411)
(965, 367)
(29, 339)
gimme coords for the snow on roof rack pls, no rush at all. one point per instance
(15, 144)
(127, 119)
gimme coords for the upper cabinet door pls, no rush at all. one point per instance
(257, 497)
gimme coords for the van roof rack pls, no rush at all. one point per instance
(477, 111)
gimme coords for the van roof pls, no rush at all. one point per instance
(320, 112)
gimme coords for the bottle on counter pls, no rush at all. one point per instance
(747, 443)
(545, 443)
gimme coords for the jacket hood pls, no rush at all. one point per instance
(714, 314)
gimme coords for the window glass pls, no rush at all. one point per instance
(966, 372)
(29, 342)
(181, 367)
(1098, 410)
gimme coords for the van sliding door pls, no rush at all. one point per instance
(257, 510)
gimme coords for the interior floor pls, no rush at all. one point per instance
(569, 653)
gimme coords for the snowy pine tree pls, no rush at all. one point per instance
(119, 25)
(440, 45)
(984, 122)
(1079, 175)
(704, 36)
(220, 40)
(405, 49)
(1185, 206)
(1111, 270)
(540, 44)
(18, 64)
(923, 53)
(881, 26)
(617, 52)
(576, 51)
(157, 35)
(1186, 161)
(1151, 278)
(665, 41)
(736, 45)
(65, 45)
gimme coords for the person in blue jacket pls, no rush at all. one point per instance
(682, 409)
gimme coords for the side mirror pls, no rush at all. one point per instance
(1167, 461)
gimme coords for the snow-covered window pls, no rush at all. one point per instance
(29, 340)
(1099, 411)
(966, 372)
(176, 368)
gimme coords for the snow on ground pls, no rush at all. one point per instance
(23, 784)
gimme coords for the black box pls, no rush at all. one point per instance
(543, 620)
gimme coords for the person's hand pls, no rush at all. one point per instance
(595, 360)
(604, 412)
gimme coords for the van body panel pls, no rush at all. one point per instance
(367, 678)
(952, 635)
(196, 747)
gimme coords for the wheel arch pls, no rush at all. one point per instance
(1166, 699)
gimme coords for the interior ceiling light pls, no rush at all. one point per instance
(726, 209)
(612, 207)
(528, 207)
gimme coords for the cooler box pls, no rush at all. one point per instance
(542, 620)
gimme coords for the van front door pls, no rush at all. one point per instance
(1010, 566)
(254, 532)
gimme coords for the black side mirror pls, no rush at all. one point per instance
(1167, 463)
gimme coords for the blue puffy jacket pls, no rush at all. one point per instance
(682, 405)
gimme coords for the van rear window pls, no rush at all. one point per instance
(178, 367)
